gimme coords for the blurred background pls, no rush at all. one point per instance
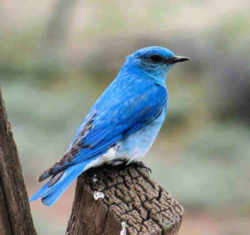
(57, 56)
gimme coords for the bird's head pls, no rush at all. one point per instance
(155, 61)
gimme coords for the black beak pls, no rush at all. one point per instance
(177, 59)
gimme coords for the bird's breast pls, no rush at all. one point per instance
(138, 144)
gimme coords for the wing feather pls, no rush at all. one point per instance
(105, 127)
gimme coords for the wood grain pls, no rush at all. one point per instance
(130, 196)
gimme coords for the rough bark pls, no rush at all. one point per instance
(15, 216)
(130, 196)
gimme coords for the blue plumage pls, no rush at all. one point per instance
(122, 124)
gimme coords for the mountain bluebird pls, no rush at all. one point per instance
(122, 124)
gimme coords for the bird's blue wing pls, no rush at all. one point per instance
(105, 126)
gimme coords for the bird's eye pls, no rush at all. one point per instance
(156, 58)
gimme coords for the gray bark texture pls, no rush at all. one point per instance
(15, 216)
(131, 198)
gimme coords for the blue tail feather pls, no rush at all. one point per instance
(50, 194)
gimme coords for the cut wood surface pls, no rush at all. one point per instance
(129, 202)
(15, 216)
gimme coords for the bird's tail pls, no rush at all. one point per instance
(50, 193)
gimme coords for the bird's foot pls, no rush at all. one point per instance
(140, 164)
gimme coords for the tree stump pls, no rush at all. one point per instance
(15, 216)
(122, 201)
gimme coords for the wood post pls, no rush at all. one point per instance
(122, 201)
(15, 216)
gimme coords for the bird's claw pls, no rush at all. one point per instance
(142, 165)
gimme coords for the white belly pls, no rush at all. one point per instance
(134, 146)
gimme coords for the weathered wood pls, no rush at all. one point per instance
(15, 216)
(130, 196)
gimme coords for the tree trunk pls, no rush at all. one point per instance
(15, 216)
(122, 200)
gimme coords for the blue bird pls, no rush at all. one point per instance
(122, 124)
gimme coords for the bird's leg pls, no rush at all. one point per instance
(140, 164)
